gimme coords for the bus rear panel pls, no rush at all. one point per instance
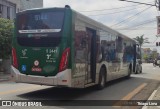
(40, 51)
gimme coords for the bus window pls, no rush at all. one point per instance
(40, 29)
(138, 52)
(40, 20)
(128, 52)
(80, 46)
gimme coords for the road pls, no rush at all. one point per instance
(138, 87)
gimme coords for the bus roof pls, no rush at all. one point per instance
(38, 9)
(89, 20)
(100, 25)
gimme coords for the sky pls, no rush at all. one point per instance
(128, 18)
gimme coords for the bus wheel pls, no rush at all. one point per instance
(137, 70)
(102, 79)
(141, 70)
(129, 72)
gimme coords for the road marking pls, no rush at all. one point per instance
(18, 90)
(131, 94)
(134, 92)
(150, 98)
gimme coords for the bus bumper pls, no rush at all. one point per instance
(61, 79)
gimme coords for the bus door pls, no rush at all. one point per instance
(135, 58)
(91, 57)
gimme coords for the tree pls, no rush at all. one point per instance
(141, 40)
(6, 33)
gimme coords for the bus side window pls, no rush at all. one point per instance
(80, 46)
(138, 52)
(83, 42)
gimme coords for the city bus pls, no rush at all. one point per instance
(61, 47)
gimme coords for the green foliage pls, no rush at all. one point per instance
(141, 40)
(145, 57)
(6, 33)
(154, 55)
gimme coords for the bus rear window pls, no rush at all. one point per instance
(40, 29)
(44, 21)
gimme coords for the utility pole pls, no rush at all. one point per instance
(158, 5)
(139, 2)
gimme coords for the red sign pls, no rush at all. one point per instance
(36, 69)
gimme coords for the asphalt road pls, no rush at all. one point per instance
(138, 87)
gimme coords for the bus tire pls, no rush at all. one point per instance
(102, 79)
(141, 70)
(137, 70)
(129, 72)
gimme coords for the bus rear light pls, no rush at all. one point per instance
(14, 58)
(64, 60)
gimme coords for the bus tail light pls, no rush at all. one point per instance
(14, 58)
(64, 59)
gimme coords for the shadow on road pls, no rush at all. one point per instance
(114, 90)
(55, 93)
(143, 73)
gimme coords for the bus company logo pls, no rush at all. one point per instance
(36, 63)
(24, 52)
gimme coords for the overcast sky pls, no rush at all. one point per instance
(135, 19)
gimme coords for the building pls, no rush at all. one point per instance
(146, 54)
(147, 51)
(149, 55)
(27, 4)
(8, 8)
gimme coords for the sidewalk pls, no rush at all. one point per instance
(155, 96)
(4, 77)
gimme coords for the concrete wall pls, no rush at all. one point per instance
(18, 5)
(7, 65)
(17, 2)
(27, 4)
(12, 7)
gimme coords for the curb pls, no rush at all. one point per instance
(6, 77)
(2, 80)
